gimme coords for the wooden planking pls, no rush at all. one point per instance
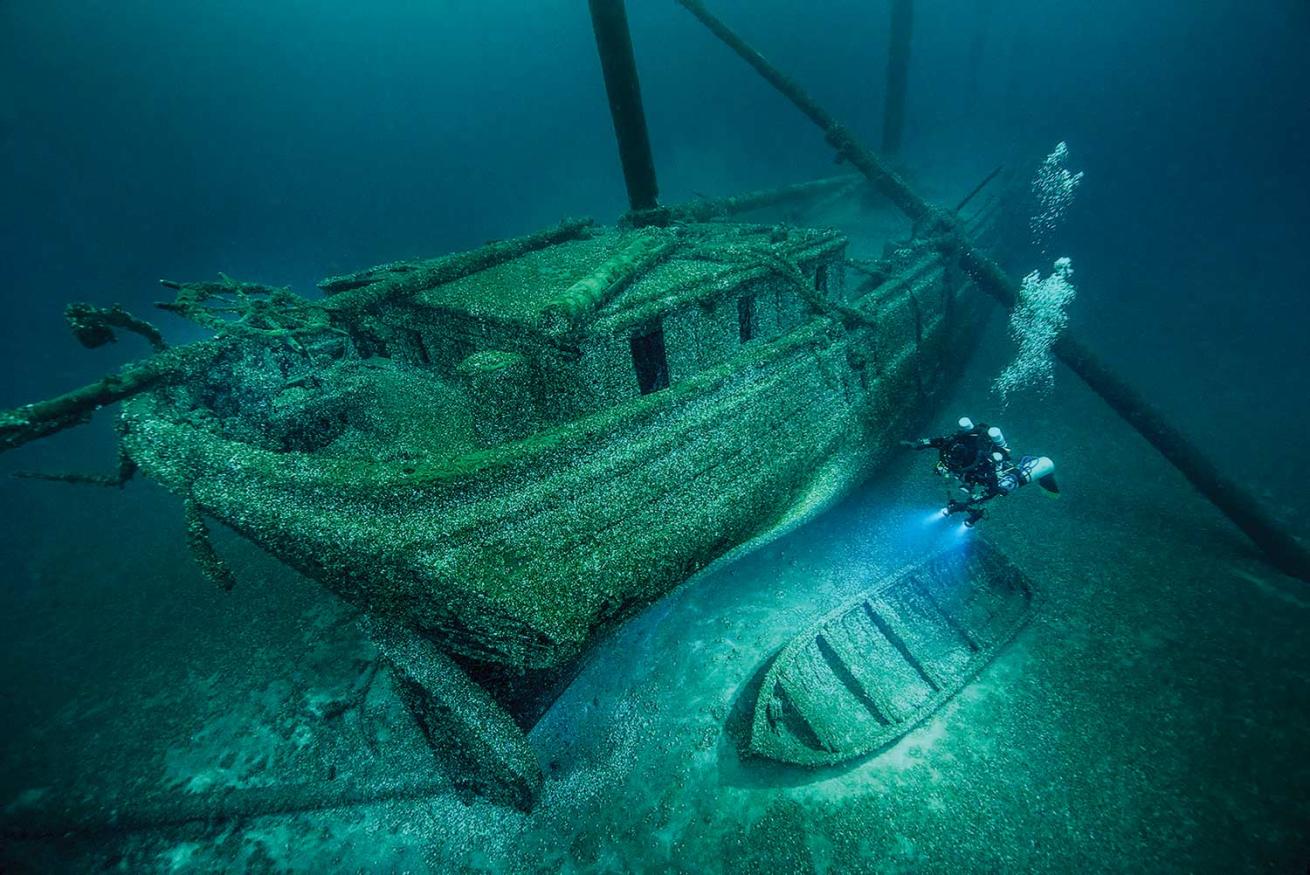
(929, 641)
(983, 613)
(881, 671)
(832, 710)
(867, 673)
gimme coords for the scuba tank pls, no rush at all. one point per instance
(1030, 468)
(1041, 469)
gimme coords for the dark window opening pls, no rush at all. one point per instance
(746, 317)
(370, 345)
(649, 360)
(420, 348)
(821, 278)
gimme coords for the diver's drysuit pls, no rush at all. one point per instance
(980, 459)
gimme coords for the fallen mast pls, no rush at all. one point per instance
(1286, 553)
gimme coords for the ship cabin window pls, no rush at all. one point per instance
(369, 345)
(746, 323)
(649, 360)
(419, 346)
(821, 278)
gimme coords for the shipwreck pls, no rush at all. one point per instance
(499, 454)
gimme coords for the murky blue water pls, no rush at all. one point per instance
(1150, 718)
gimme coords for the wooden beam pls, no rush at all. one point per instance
(609, 19)
(1286, 552)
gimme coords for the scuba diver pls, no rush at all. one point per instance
(979, 458)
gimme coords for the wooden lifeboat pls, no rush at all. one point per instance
(871, 670)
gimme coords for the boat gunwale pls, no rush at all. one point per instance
(339, 471)
(477, 463)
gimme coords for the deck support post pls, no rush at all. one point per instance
(1281, 548)
(609, 19)
(898, 73)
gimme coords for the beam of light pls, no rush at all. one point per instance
(936, 516)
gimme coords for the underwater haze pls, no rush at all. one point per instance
(1145, 713)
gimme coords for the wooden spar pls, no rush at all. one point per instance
(44, 418)
(609, 19)
(964, 202)
(713, 208)
(883, 177)
(1282, 549)
(898, 75)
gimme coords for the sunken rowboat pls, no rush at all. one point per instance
(869, 672)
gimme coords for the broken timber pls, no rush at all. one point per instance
(715, 208)
(479, 744)
(349, 294)
(1281, 548)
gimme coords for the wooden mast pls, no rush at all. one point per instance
(609, 19)
(898, 75)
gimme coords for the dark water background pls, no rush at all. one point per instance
(287, 141)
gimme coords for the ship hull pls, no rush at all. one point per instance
(515, 558)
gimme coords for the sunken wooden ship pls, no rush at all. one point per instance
(499, 454)
(509, 462)
(513, 459)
